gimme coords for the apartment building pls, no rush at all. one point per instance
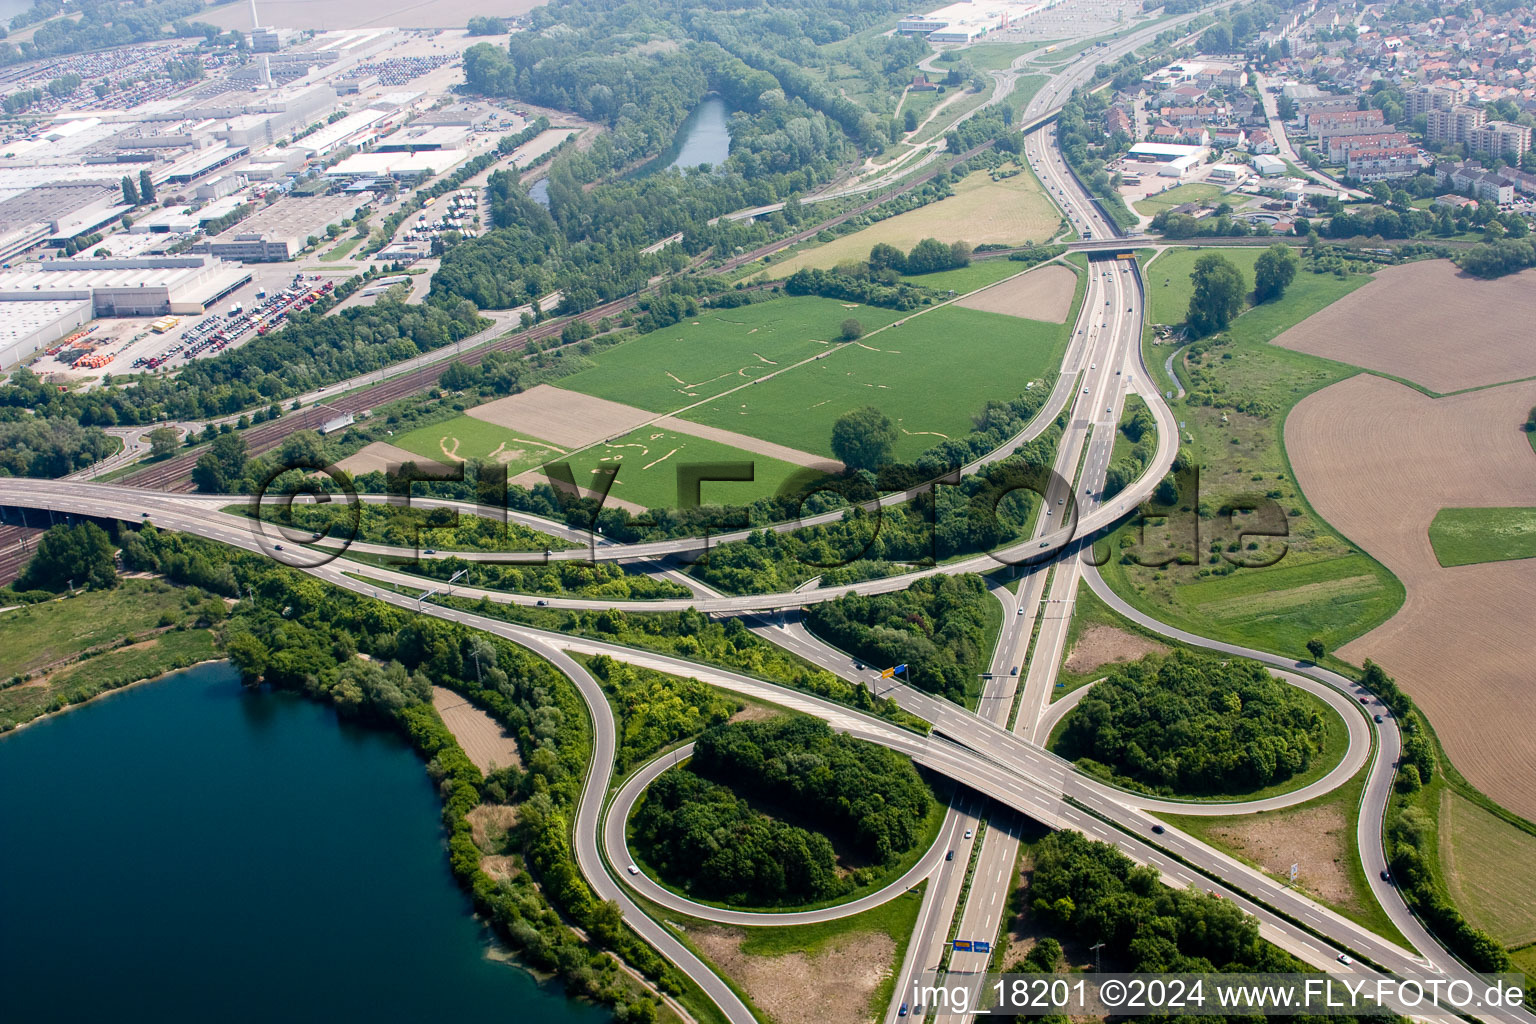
(1502, 138)
(1458, 124)
(1383, 163)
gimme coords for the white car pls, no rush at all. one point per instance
(1085, 391)
(633, 870)
(1344, 959)
(969, 832)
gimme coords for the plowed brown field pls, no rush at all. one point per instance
(1378, 460)
(1042, 294)
(1431, 324)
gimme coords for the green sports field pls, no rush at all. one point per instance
(1467, 536)
(719, 350)
(466, 439)
(930, 376)
(648, 460)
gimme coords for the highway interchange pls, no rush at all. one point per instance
(996, 753)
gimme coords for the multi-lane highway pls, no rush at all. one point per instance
(994, 754)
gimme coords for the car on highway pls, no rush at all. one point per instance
(633, 870)
(950, 855)
(1085, 391)
(1093, 366)
(1378, 718)
(1386, 877)
(969, 832)
(1344, 959)
(1015, 670)
(903, 1011)
(1157, 830)
(1021, 610)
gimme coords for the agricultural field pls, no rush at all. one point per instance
(1044, 293)
(1009, 211)
(697, 359)
(926, 375)
(1380, 460)
(465, 438)
(1193, 192)
(1242, 390)
(1429, 306)
(1489, 867)
(1469, 536)
(648, 459)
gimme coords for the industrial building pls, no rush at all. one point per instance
(279, 231)
(1172, 160)
(966, 21)
(1269, 166)
(126, 287)
(29, 325)
(398, 165)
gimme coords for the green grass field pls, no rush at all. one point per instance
(465, 438)
(1467, 536)
(1168, 284)
(35, 636)
(719, 350)
(930, 376)
(1321, 586)
(1193, 192)
(648, 460)
(1010, 211)
(968, 279)
(1489, 866)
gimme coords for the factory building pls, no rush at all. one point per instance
(126, 287)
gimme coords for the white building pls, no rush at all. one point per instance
(149, 286)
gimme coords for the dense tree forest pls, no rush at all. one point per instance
(701, 836)
(937, 627)
(48, 446)
(1093, 892)
(725, 827)
(1186, 724)
(655, 710)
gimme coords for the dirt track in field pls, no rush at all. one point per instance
(1378, 460)
(1044, 293)
(567, 418)
(1429, 323)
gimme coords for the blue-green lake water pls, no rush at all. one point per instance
(189, 850)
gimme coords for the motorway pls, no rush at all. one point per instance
(999, 763)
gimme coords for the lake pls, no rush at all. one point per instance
(705, 138)
(191, 850)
